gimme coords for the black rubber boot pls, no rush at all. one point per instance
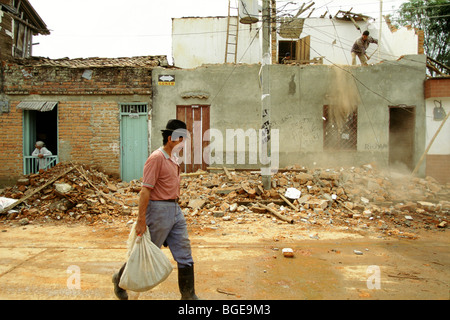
(120, 293)
(186, 283)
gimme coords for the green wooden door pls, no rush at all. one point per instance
(134, 140)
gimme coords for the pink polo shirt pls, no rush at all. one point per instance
(162, 176)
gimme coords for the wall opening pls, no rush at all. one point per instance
(197, 119)
(342, 133)
(285, 47)
(41, 126)
(401, 136)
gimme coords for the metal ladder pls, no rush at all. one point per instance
(231, 46)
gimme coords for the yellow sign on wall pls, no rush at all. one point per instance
(166, 80)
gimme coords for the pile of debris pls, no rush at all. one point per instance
(68, 192)
(351, 198)
(357, 197)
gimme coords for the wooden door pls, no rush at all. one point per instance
(196, 118)
(303, 50)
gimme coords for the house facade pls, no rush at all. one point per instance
(323, 115)
(95, 111)
(108, 113)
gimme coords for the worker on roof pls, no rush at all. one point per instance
(360, 46)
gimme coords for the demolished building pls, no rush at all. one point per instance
(109, 112)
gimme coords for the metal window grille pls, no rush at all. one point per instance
(343, 136)
(133, 108)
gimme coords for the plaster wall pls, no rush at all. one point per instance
(298, 95)
(441, 144)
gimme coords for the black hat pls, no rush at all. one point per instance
(177, 126)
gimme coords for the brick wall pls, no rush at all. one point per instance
(88, 111)
(47, 80)
(95, 139)
(11, 145)
(437, 88)
(438, 167)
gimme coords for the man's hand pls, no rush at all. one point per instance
(141, 227)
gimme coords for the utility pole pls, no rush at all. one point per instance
(265, 143)
(381, 26)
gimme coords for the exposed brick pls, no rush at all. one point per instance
(437, 88)
(88, 127)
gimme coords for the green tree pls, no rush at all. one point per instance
(433, 17)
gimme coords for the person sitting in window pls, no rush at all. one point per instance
(41, 152)
(287, 58)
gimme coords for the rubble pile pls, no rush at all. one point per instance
(355, 198)
(70, 192)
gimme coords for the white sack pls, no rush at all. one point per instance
(147, 265)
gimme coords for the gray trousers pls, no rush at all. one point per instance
(167, 226)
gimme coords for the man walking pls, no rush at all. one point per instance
(159, 209)
(360, 46)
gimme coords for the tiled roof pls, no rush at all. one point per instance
(83, 63)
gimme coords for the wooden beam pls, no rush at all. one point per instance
(276, 214)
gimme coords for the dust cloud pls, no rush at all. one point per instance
(343, 96)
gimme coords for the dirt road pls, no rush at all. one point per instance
(58, 261)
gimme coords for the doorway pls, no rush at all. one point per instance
(133, 139)
(40, 126)
(196, 118)
(401, 136)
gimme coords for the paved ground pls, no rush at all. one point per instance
(238, 262)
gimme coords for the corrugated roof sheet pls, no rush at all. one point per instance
(41, 106)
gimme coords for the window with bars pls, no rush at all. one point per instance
(133, 108)
(340, 135)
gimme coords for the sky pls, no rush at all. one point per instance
(112, 28)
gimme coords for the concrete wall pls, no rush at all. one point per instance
(298, 95)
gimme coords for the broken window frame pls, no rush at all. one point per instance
(335, 138)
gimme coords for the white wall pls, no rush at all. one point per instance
(197, 41)
(441, 146)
